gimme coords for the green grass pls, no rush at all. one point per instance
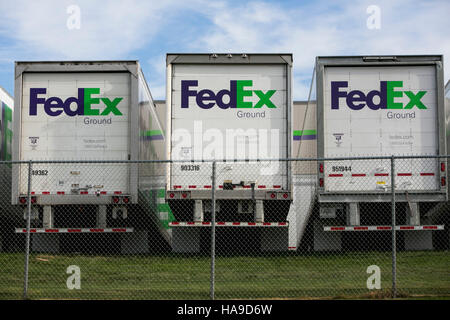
(281, 276)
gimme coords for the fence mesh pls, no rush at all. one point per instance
(299, 228)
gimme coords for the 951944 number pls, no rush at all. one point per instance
(341, 168)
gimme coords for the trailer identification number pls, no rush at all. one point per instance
(341, 168)
(189, 167)
(39, 172)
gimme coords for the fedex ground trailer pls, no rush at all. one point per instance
(226, 107)
(380, 106)
(303, 173)
(8, 213)
(6, 105)
(446, 217)
(86, 111)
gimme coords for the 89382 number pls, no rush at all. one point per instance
(39, 172)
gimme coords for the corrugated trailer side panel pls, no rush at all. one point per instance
(6, 104)
(152, 174)
(447, 120)
(161, 112)
(151, 140)
(304, 144)
(151, 133)
(7, 107)
(303, 172)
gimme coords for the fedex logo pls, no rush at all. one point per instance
(356, 99)
(85, 103)
(206, 99)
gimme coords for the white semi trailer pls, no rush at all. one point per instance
(228, 107)
(304, 138)
(6, 107)
(304, 173)
(8, 214)
(86, 111)
(379, 106)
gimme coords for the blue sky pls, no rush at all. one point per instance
(147, 30)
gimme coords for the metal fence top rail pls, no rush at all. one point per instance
(232, 160)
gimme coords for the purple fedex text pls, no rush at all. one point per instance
(207, 98)
(52, 106)
(356, 99)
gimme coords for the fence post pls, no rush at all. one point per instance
(394, 240)
(27, 242)
(213, 230)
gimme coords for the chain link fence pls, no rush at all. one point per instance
(289, 229)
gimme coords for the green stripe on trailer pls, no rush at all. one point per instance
(6, 128)
(161, 193)
(304, 132)
(304, 135)
(164, 208)
(155, 202)
(151, 133)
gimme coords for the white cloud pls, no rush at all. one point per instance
(117, 29)
(315, 29)
(109, 29)
(156, 76)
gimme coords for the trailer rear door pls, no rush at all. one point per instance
(380, 111)
(75, 116)
(209, 124)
